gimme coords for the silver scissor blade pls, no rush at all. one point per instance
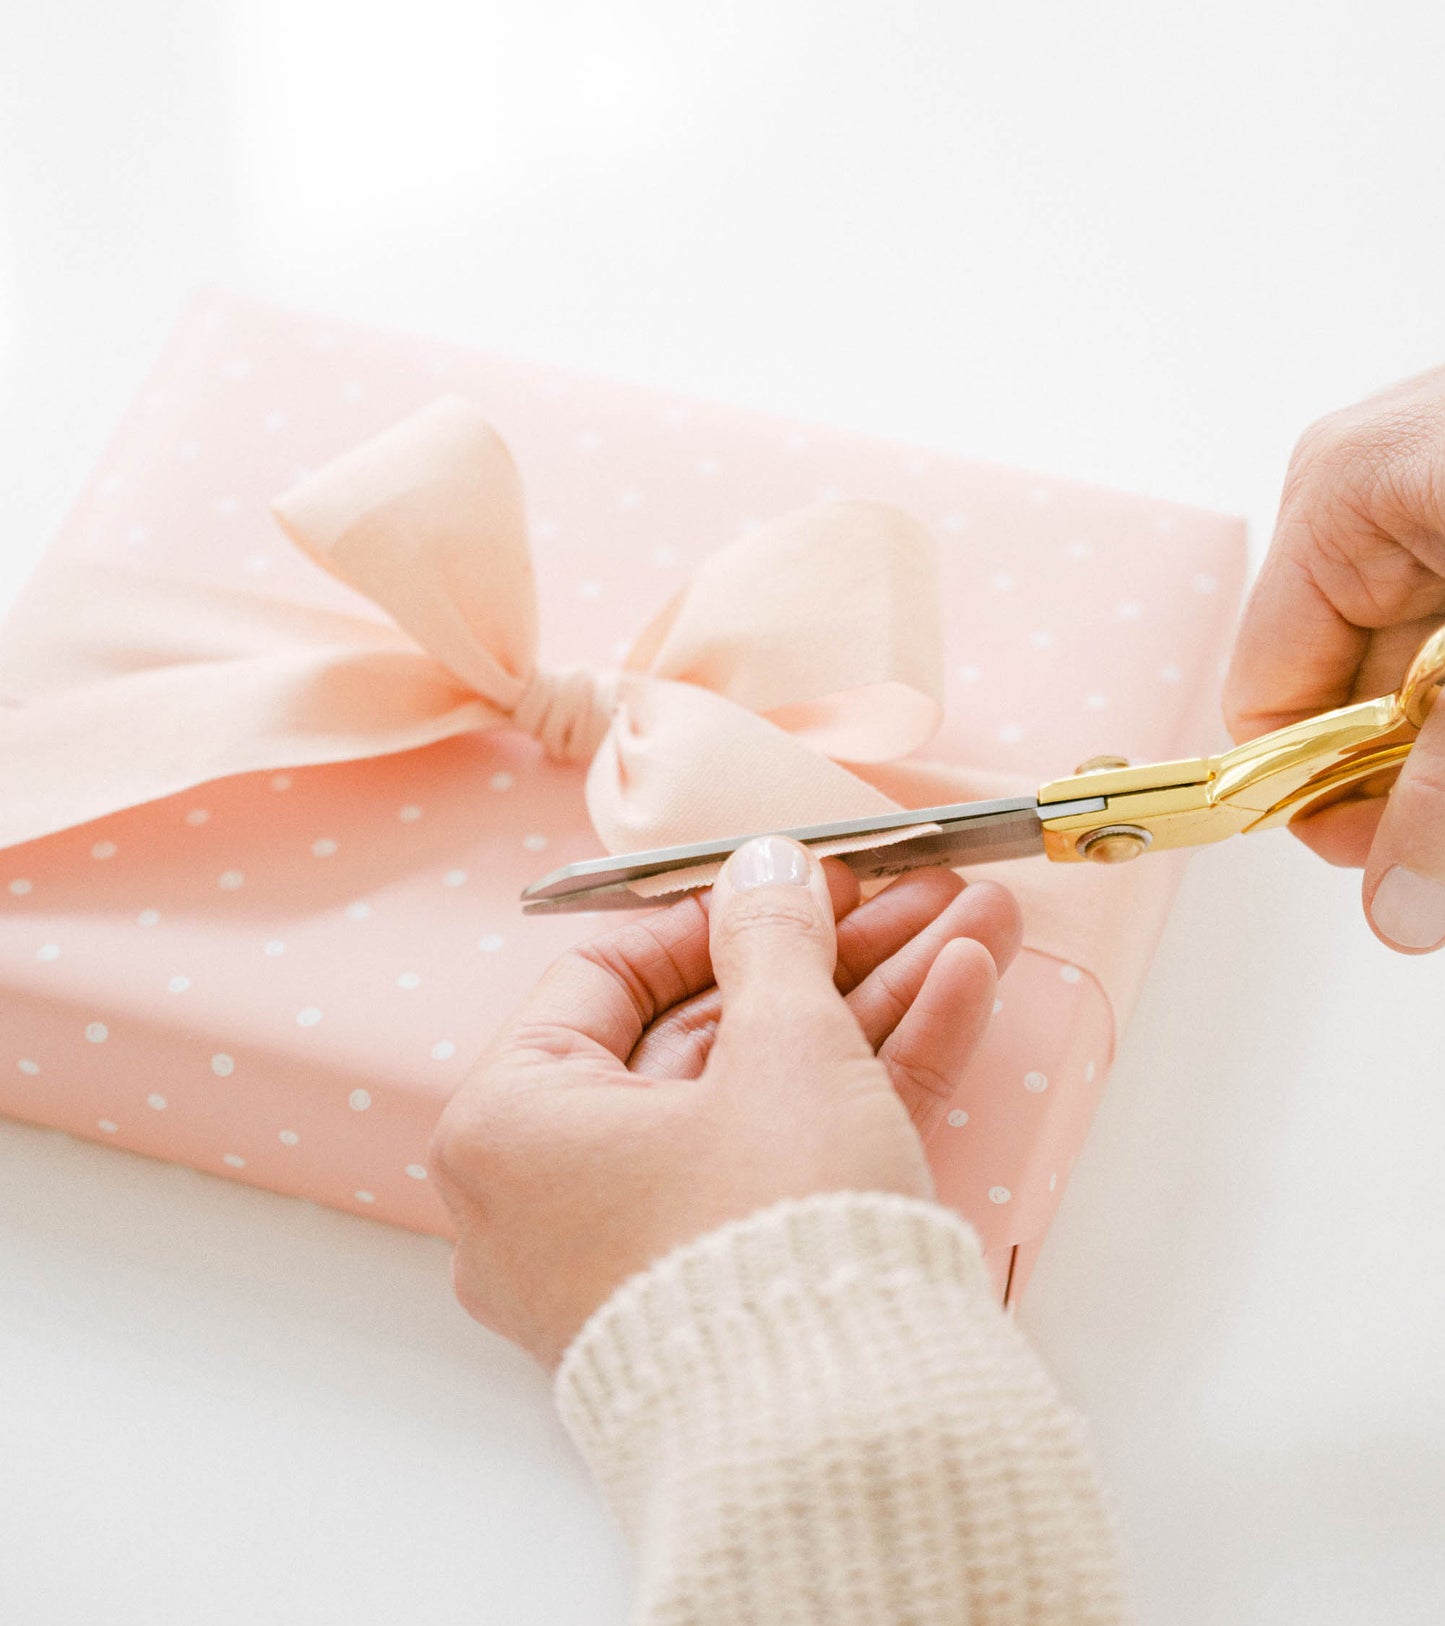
(966, 833)
(987, 840)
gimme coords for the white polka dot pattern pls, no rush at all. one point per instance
(199, 940)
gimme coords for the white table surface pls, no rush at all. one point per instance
(1140, 243)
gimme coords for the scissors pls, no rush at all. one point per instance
(1105, 812)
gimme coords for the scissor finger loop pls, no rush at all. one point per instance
(1424, 679)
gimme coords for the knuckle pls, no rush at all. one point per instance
(1362, 462)
(1319, 440)
(531, 1044)
(617, 952)
(643, 961)
(457, 1153)
(1422, 789)
(1332, 469)
(1331, 444)
(774, 912)
(614, 953)
(469, 1145)
(895, 990)
(925, 1078)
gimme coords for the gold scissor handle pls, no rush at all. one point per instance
(1256, 786)
(1425, 679)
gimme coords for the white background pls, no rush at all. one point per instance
(1141, 243)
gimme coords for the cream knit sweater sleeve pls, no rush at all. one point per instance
(817, 1416)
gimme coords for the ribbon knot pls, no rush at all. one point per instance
(567, 710)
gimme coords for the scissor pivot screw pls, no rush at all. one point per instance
(1115, 844)
(1100, 764)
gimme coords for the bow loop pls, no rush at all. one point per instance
(825, 621)
(426, 520)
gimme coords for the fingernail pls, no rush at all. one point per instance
(769, 861)
(1409, 909)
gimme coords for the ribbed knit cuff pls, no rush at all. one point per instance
(819, 1413)
(698, 1315)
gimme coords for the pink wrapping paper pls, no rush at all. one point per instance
(280, 976)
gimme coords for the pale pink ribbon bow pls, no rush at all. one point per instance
(811, 643)
(812, 640)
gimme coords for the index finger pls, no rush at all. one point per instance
(1295, 655)
(600, 997)
(1355, 574)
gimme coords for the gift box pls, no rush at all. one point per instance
(277, 770)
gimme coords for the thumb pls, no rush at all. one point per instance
(774, 948)
(1404, 883)
(771, 920)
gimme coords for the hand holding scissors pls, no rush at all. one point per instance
(1354, 580)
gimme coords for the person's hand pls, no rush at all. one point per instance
(706, 1061)
(1353, 583)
